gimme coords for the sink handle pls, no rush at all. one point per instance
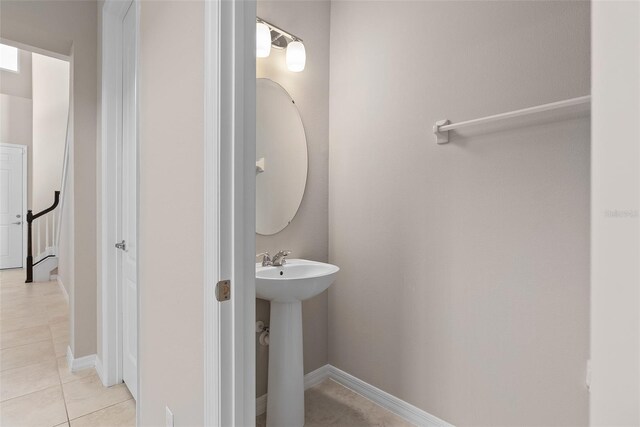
(266, 259)
(279, 258)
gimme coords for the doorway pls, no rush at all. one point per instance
(127, 212)
(13, 199)
(119, 279)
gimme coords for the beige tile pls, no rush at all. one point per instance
(120, 415)
(7, 284)
(43, 408)
(57, 306)
(25, 336)
(56, 318)
(67, 376)
(60, 348)
(25, 355)
(59, 331)
(10, 278)
(88, 395)
(14, 324)
(27, 379)
(19, 301)
(22, 309)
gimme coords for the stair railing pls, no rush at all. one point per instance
(65, 170)
(30, 218)
(53, 223)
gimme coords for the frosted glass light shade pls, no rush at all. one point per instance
(296, 56)
(8, 58)
(263, 40)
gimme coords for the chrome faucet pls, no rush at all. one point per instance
(266, 259)
(279, 259)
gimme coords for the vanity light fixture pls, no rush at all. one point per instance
(296, 56)
(9, 58)
(269, 36)
(263, 40)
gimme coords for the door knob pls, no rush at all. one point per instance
(122, 245)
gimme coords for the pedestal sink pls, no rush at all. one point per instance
(286, 287)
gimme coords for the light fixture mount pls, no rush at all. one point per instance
(280, 38)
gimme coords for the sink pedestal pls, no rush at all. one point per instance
(286, 286)
(285, 398)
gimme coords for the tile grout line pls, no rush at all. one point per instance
(42, 301)
(98, 410)
(30, 364)
(33, 364)
(64, 398)
(29, 343)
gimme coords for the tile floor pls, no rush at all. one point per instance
(36, 387)
(331, 404)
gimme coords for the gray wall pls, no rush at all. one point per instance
(62, 27)
(615, 221)
(307, 234)
(464, 283)
(171, 356)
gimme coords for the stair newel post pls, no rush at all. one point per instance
(30, 218)
(29, 248)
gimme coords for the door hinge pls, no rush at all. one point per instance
(223, 290)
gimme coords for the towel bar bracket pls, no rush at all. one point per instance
(442, 136)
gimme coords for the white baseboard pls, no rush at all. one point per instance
(80, 363)
(381, 398)
(99, 370)
(316, 377)
(62, 288)
(311, 379)
(391, 403)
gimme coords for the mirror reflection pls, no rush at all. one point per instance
(281, 158)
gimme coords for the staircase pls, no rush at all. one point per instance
(43, 232)
(44, 225)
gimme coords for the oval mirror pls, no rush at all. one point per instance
(281, 158)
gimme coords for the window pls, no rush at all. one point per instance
(9, 58)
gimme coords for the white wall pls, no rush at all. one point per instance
(464, 282)
(615, 203)
(307, 235)
(15, 128)
(171, 129)
(16, 112)
(50, 111)
(18, 84)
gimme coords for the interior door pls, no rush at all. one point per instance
(11, 206)
(128, 198)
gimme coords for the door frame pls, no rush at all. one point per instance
(109, 360)
(25, 177)
(229, 247)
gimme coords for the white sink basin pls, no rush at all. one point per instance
(286, 287)
(297, 280)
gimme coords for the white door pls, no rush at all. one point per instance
(128, 206)
(11, 206)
